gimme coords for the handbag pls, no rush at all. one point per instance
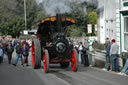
(84, 50)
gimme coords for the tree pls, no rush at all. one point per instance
(82, 18)
(12, 16)
(12, 27)
(92, 19)
(74, 31)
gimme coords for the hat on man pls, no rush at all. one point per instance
(113, 40)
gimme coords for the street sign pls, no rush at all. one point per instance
(96, 27)
(89, 28)
(25, 32)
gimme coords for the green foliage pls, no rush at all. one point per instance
(12, 17)
(99, 46)
(73, 31)
(24, 37)
(12, 27)
(31, 8)
(81, 23)
(92, 19)
(82, 18)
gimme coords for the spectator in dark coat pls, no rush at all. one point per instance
(86, 45)
(25, 53)
(9, 52)
(26, 43)
(5, 44)
(18, 54)
(1, 53)
(81, 53)
(107, 63)
(125, 68)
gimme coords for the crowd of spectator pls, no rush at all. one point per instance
(82, 48)
(111, 57)
(22, 48)
(9, 45)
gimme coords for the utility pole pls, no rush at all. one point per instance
(25, 15)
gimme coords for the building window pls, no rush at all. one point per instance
(125, 41)
(125, 33)
(126, 24)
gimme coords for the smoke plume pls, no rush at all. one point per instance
(52, 7)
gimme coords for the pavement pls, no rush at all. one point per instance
(11, 75)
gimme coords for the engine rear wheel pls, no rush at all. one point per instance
(46, 61)
(74, 60)
(36, 54)
(64, 65)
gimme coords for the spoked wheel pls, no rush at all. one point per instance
(46, 61)
(33, 56)
(74, 60)
(36, 54)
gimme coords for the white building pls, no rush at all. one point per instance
(110, 18)
(107, 20)
(101, 24)
(118, 37)
(123, 25)
(113, 22)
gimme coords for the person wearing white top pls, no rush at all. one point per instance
(81, 53)
(114, 55)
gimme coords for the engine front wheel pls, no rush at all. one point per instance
(36, 54)
(45, 61)
(74, 60)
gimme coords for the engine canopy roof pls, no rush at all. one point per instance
(65, 21)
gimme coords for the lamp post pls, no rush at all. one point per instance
(25, 15)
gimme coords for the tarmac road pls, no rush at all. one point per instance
(11, 75)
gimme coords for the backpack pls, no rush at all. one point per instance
(25, 52)
(10, 50)
(18, 49)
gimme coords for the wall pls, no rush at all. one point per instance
(110, 18)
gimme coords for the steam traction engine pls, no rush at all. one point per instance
(51, 46)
